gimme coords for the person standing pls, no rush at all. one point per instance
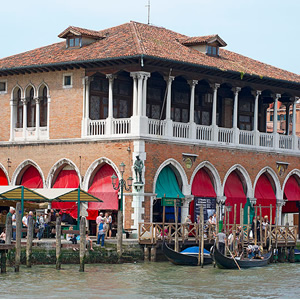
(41, 227)
(12, 214)
(221, 237)
(108, 223)
(187, 223)
(101, 233)
(25, 223)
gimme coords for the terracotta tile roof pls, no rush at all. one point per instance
(132, 39)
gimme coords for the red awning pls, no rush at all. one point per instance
(66, 179)
(265, 196)
(102, 188)
(3, 178)
(292, 194)
(201, 187)
(32, 178)
(234, 193)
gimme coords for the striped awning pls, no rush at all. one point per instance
(67, 195)
(18, 192)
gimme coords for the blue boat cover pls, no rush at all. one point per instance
(193, 250)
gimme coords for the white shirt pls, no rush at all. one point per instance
(25, 220)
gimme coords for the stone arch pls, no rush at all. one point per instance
(272, 176)
(244, 177)
(94, 167)
(179, 172)
(295, 172)
(22, 167)
(57, 167)
(27, 88)
(214, 175)
(14, 89)
(40, 86)
(5, 172)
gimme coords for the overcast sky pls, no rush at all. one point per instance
(266, 30)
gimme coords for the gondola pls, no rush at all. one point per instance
(188, 257)
(297, 255)
(224, 262)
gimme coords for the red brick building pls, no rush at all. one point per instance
(194, 112)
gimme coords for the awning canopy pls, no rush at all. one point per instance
(18, 192)
(166, 185)
(67, 195)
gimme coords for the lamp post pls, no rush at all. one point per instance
(121, 186)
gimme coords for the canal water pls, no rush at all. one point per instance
(151, 280)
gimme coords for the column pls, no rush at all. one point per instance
(255, 123)
(214, 108)
(146, 76)
(134, 100)
(275, 115)
(294, 116)
(24, 101)
(12, 119)
(110, 78)
(85, 107)
(279, 204)
(214, 112)
(192, 84)
(275, 122)
(37, 118)
(235, 115)
(169, 89)
(109, 120)
(236, 106)
(287, 118)
(294, 120)
(140, 79)
(48, 116)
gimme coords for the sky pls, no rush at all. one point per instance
(265, 30)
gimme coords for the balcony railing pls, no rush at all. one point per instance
(96, 127)
(190, 132)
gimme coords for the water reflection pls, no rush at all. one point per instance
(151, 280)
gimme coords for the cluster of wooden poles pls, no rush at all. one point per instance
(30, 229)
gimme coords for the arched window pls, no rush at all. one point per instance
(43, 107)
(31, 109)
(19, 109)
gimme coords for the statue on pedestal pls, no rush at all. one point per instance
(138, 169)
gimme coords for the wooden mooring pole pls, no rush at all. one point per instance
(82, 243)
(29, 241)
(8, 230)
(18, 236)
(58, 243)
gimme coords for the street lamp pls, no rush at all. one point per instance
(121, 186)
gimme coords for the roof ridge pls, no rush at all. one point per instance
(136, 36)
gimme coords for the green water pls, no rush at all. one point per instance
(151, 280)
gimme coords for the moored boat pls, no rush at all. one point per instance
(187, 257)
(297, 255)
(225, 262)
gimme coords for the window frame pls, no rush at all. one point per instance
(5, 82)
(71, 79)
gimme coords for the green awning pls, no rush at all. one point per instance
(252, 213)
(166, 185)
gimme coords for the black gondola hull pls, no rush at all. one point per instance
(184, 259)
(225, 262)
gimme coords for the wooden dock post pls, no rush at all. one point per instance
(176, 247)
(270, 229)
(58, 243)
(8, 230)
(146, 253)
(242, 226)
(260, 227)
(153, 254)
(82, 243)
(248, 224)
(29, 241)
(18, 236)
(234, 229)
(255, 226)
(292, 255)
(3, 262)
